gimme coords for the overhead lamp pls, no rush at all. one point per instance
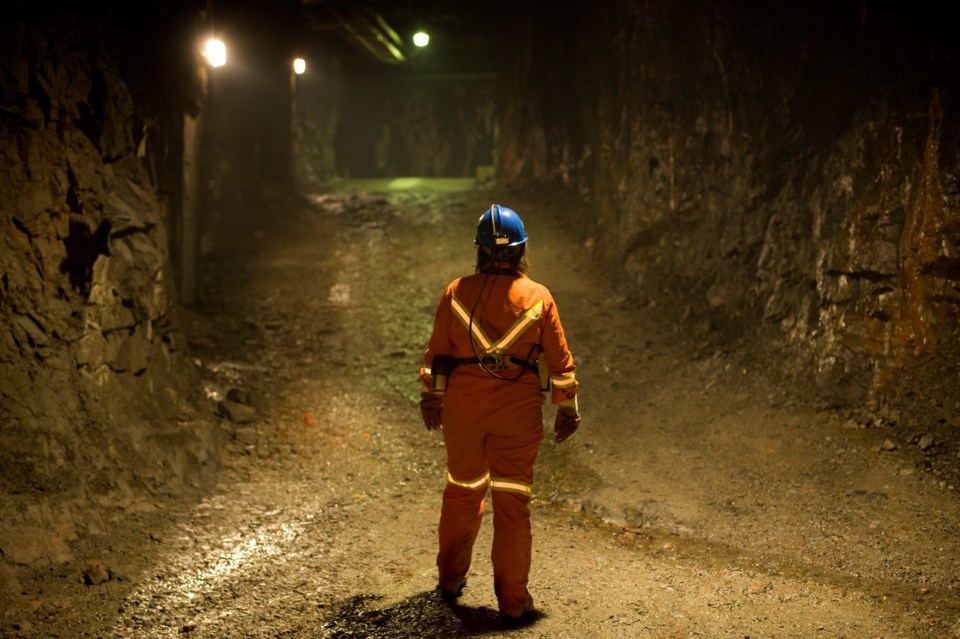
(421, 38)
(299, 66)
(215, 51)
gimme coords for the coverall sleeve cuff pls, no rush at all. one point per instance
(425, 378)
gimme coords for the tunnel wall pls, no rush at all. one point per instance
(787, 170)
(95, 381)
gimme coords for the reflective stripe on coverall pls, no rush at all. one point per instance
(493, 428)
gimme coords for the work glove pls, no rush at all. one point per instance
(566, 423)
(431, 408)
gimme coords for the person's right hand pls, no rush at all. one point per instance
(566, 423)
(431, 409)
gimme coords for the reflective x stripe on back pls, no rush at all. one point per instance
(513, 333)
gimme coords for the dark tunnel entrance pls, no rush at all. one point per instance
(351, 113)
(410, 125)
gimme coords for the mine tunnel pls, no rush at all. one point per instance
(227, 227)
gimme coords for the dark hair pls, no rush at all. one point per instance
(509, 258)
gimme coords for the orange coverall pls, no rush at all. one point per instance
(493, 428)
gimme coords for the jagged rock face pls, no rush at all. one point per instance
(93, 370)
(792, 167)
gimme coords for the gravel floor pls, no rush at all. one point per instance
(703, 497)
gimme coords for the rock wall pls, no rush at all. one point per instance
(96, 387)
(788, 169)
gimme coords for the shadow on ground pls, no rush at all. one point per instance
(422, 615)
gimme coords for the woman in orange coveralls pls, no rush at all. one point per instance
(482, 388)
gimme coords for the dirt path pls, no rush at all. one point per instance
(700, 499)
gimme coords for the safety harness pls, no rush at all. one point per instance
(490, 355)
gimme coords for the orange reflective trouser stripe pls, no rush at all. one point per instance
(490, 445)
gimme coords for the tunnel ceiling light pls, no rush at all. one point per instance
(421, 38)
(215, 51)
(299, 66)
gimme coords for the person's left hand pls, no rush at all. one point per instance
(566, 423)
(431, 409)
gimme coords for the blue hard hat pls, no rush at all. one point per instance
(499, 227)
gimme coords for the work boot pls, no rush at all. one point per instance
(451, 591)
(521, 617)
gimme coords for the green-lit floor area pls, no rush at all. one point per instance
(404, 184)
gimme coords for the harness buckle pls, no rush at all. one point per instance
(493, 361)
